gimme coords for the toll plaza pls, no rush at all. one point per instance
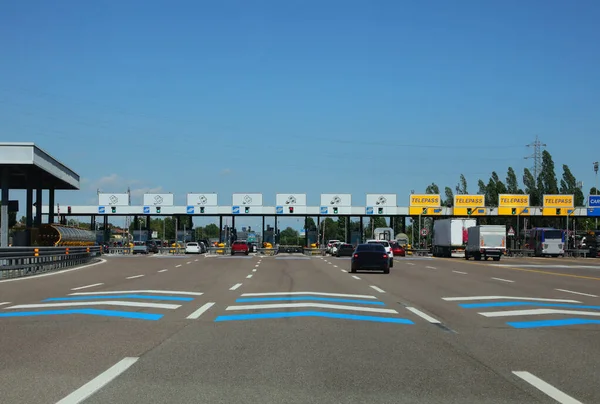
(27, 167)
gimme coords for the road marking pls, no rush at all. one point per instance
(538, 312)
(249, 276)
(537, 299)
(254, 270)
(88, 286)
(575, 293)
(102, 303)
(256, 316)
(195, 260)
(410, 263)
(546, 388)
(335, 266)
(431, 267)
(343, 270)
(459, 272)
(308, 293)
(553, 273)
(3, 303)
(24, 278)
(317, 298)
(552, 323)
(377, 289)
(125, 296)
(234, 287)
(163, 270)
(513, 304)
(504, 280)
(317, 305)
(91, 387)
(135, 276)
(356, 277)
(188, 263)
(177, 266)
(201, 311)
(424, 316)
(118, 292)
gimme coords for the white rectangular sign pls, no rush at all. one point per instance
(247, 200)
(158, 199)
(381, 200)
(113, 199)
(336, 200)
(290, 200)
(202, 200)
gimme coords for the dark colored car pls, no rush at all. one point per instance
(344, 250)
(371, 257)
(154, 246)
(397, 249)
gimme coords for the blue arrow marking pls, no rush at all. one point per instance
(235, 209)
(113, 297)
(93, 312)
(323, 299)
(369, 210)
(237, 317)
(190, 210)
(101, 209)
(516, 303)
(146, 209)
(553, 323)
(279, 209)
(323, 210)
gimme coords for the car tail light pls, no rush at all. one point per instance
(355, 255)
(385, 256)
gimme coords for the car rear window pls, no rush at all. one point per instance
(346, 246)
(380, 242)
(139, 243)
(239, 243)
(192, 244)
(370, 247)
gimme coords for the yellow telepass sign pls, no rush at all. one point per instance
(559, 201)
(424, 201)
(513, 200)
(469, 201)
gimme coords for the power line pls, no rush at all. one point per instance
(536, 156)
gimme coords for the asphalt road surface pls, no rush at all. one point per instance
(295, 329)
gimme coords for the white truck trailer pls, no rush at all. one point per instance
(486, 241)
(450, 237)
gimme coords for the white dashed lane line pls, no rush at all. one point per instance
(424, 316)
(234, 287)
(177, 266)
(88, 286)
(377, 289)
(459, 272)
(135, 276)
(201, 311)
(249, 276)
(355, 277)
(503, 280)
(575, 293)
(163, 270)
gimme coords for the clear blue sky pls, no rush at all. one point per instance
(299, 96)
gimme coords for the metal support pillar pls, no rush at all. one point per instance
(38, 206)
(347, 229)
(392, 226)
(263, 231)
(220, 229)
(4, 209)
(306, 243)
(362, 229)
(275, 239)
(403, 224)
(148, 229)
(92, 222)
(29, 208)
(319, 230)
(51, 205)
(106, 232)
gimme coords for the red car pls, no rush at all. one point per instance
(397, 249)
(240, 247)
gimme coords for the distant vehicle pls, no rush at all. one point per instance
(140, 247)
(370, 256)
(330, 245)
(547, 242)
(450, 237)
(383, 233)
(388, 249)
(335, 247)
(402, 239)
(344, 250)
(193, 248)
(397, 249)
(239, 247)
(486, 241)
(154, 246)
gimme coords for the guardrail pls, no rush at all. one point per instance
(577, 252)
(23, 261)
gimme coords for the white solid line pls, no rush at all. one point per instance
(317, 305)
(308, 293)
(355, 277)
(102, 261)
(102, 303)
(163, 270)
(459, 272)
(546, 388)
(3, 303)
(234, 287)
(120, 292)
(254, 270)
(424, 316)
(537, 299)
(249, 276)
(88, 286)
(504, 280)
(98, 382)
(378, 289)
(431, 267)
(343, 270)
(200, 311)
(177, 266)
(135, 276)
(576, 293)
(538, 312)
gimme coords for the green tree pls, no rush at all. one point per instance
(432, 189)
(23, 220)
(546, 181)
(568, 185)
(512, 183)
(531, 188)
(329, 229)
(449, 202)
(482, 188)
(288, 236)
(211, 231)
(594, 191)
(374, 223)
(310, 224)
(461, 189)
